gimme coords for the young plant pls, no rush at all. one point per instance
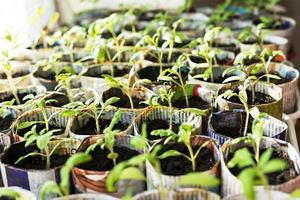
(209, 53)
(171, 36)
(65, 84)
(63, 188)
(126, 86)
(42, 140)
(184, 136)
(248, 36)
(131, 169)
(109, 139)
(254, 171)
(52, 63)
(221, 14)
(75, 34)
(6, 62)
(172, 74)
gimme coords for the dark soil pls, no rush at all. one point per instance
(33, 162)
(280, 81)
(98, 72)
(194, 102)
(197, 59)
(40, 127)
(6, 122)
(176, 166)
(90, 127)
(276, 177)
(282, 25)
(6, 198)
(15, 75)
(124, 100)
(260, 98)
(100, 161)
(9, 97)
(61, 100)
(150, 72)
(230, 124)
(156, 124)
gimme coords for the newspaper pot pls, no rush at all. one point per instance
(289, 88)
(25, 194)
(231, 185)
(57, 122)
(225, 58)
(226, 125)
(92, 78)
(21, 75)
(180, 194)
(6, 95)
(160, 118)
(273, 108)
(171, 182)
(83, 126)
(92, 180)
(261, 194)
(32, 175)
(138, 95)
(87, 196)
(217, 74)
(271, 42)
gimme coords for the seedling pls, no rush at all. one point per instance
(171, 36)
(247, 35)
(75, 34)
(152, 42)
(62, 189)
(168, 75)
(42, 140)
(109, 139)
(5, 61)
(221, 14)
(65, 84)
(127, 86)
(184, 135)
(255, 170)
(209, 53)
(52, 63)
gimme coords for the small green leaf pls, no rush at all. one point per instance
(27, 124)
(132, 173)
(199, 179)
(170, 153)
(274, 165)
(49, 187)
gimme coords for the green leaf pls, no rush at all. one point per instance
(27, 124)
(170, 153)
(111, 100)
(265, 157)
(274, 165)
(49, 187)
(199, 179)
(241, 158)
(185, 132)
(295, 194)
(112, 81)
(132, 173)
(247, 178)
(70, 113)
(8, 192)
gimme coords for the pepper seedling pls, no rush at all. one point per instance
(63, 188)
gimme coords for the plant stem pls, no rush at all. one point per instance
(183, 89)
(192, 157)
(47, 157)
(247, 121)
(12, 88)
(131, 101)
(97, 121)
(267, 69)
(45, 119)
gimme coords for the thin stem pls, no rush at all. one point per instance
(131, 101)
(247, 121)
(47, 157)
(12, 88)
(97, 121)
(183, 89)
(192, 156)
(267, 69)
(45, 119)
